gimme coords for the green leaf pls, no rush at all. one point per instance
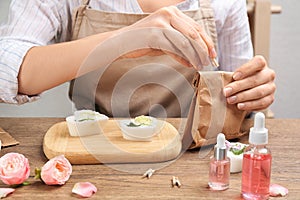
(37, 172)
(237, 151)
(86, 119)
(25, 183)
(133, 125)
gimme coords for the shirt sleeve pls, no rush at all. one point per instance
(234, 37)
(29, 23)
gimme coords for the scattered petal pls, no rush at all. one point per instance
(228, 144)
(5, 191)
(84, 189)
(278, 190)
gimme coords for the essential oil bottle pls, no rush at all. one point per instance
(219, 169)
(256, 172)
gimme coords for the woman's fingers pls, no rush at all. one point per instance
(188, 28)
(256, 64)
(255, 99)
(254, 87)
(262, 77)
(202, 35)
(185, 48)
(258, 92)
(195, 48)
(256, 105)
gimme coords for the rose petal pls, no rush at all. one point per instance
(228, 144)
(278, 190)
(84, 189)
(5, 191)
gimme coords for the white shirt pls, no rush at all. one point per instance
(42, 22)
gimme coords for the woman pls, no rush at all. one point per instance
(36, 52)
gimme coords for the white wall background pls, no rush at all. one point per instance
(284, 55)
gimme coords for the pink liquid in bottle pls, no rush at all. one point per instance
(219, 173)
(219, 168)
(256, 176)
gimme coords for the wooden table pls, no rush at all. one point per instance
(284, 139)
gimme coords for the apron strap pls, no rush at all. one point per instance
(85, 2)
(204, 3)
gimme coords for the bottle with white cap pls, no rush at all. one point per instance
(257, 159)
(219, 169)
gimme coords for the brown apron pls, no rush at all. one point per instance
(149, 85)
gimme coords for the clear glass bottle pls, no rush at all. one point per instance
(219, 168)
(256, 172)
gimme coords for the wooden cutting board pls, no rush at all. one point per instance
(110, 147)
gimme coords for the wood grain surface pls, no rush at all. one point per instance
(284, 141)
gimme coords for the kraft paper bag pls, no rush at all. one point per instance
(209, 113)
(6, 139)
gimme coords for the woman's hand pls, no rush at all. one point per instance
(172, 18)
(157, 33)
(253, 87)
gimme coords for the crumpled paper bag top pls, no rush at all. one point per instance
(209, 112)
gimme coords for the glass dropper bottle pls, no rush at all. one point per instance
(256, 170)
(219, 168)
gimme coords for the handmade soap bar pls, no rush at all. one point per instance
(141, 128)
(235, 153)
(86, 122)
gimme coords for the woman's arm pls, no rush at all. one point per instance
(234, 37)
(45, 67)
(29, 24)
(254, 87)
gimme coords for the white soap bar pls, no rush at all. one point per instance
(86, 122)
(87, 115)
(236, 161)
(142, 128)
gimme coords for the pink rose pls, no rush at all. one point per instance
(56, 171)
(14, 168)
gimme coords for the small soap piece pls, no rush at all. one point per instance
(86, 122)
(148, 173)
(175, 182)
(143, 120)
(141, 128)
(235, 153)
(87, 115)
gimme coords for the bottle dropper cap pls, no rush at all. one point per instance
(220, 151)
(258, 134)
